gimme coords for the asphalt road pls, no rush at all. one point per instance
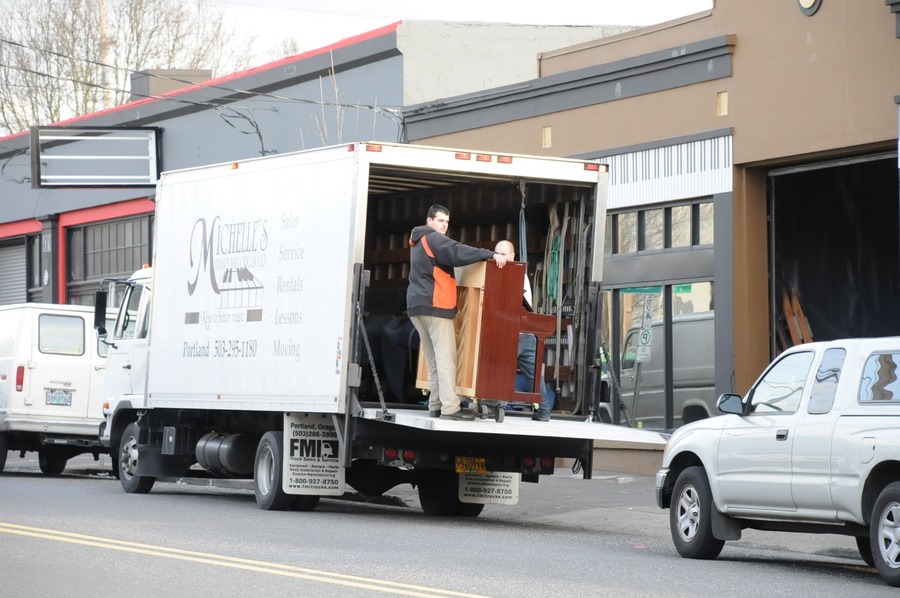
(566, 537)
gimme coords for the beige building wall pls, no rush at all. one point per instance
(802, 88)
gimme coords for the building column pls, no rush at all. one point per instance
(50, 259)
(752, 346)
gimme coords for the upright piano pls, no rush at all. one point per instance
(491, 316)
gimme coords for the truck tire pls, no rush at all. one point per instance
(51, 462)
(439, 495)
(304, 502)
(884, 534)
(267, 473)
(690, 516)
(4, 449)
(470, 509)
(129, 468)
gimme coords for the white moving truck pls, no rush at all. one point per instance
(52, 373)
(240, 352)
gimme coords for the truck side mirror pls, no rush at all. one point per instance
(100, 297)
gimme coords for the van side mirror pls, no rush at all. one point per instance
(730, 403)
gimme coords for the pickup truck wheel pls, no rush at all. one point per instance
(864, 545)
(884, 534)
(690, 516)
(267, 474)
(51, 463)
(129, 472)
(4, 449)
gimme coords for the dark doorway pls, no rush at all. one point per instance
(836, 247)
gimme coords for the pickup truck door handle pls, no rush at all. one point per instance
(126, 367)
(781, 435)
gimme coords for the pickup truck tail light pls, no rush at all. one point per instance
(20, 378)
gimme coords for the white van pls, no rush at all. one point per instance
(52, 377)
(693, 373)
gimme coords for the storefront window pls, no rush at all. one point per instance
(705, 219)
(681, 226)
(626, 230)
(654, 229)
(662, 228)
(650, 397)
(641, 359)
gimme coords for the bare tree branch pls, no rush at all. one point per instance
(73, 57)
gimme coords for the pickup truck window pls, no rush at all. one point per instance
(780, 389)
(822, 393)
(879, 378)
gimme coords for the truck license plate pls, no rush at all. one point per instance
(471, 465)
(59, 397)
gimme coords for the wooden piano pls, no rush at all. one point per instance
(491, 317)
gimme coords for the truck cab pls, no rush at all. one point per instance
(127, 343)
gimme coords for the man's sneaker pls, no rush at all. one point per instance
(461, 415)
(434, 413)
(539, 416)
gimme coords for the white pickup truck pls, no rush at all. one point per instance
(814, 447)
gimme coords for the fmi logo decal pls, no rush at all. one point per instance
(311, 448)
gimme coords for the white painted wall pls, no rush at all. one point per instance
(445, 59)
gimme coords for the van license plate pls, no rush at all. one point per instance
(471, 465)
(59, 397)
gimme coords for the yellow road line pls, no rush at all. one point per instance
(366, 583)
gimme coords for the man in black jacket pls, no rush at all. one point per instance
(431, 303)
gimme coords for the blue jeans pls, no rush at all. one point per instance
(526, 364)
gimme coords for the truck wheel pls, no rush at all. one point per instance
(864, 545)
(884, 534)
(690, 516)
(267, 486)
(4, 449)
(438, 493)
(470, 509)
(51, 462)
(129, 472)
(304, 502)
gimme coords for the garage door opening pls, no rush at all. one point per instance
(835, 250)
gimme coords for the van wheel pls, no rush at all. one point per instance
(690, 516)
(884, 534)
(4, 449)
(129, 469)
(267, 473)
(51, 463)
